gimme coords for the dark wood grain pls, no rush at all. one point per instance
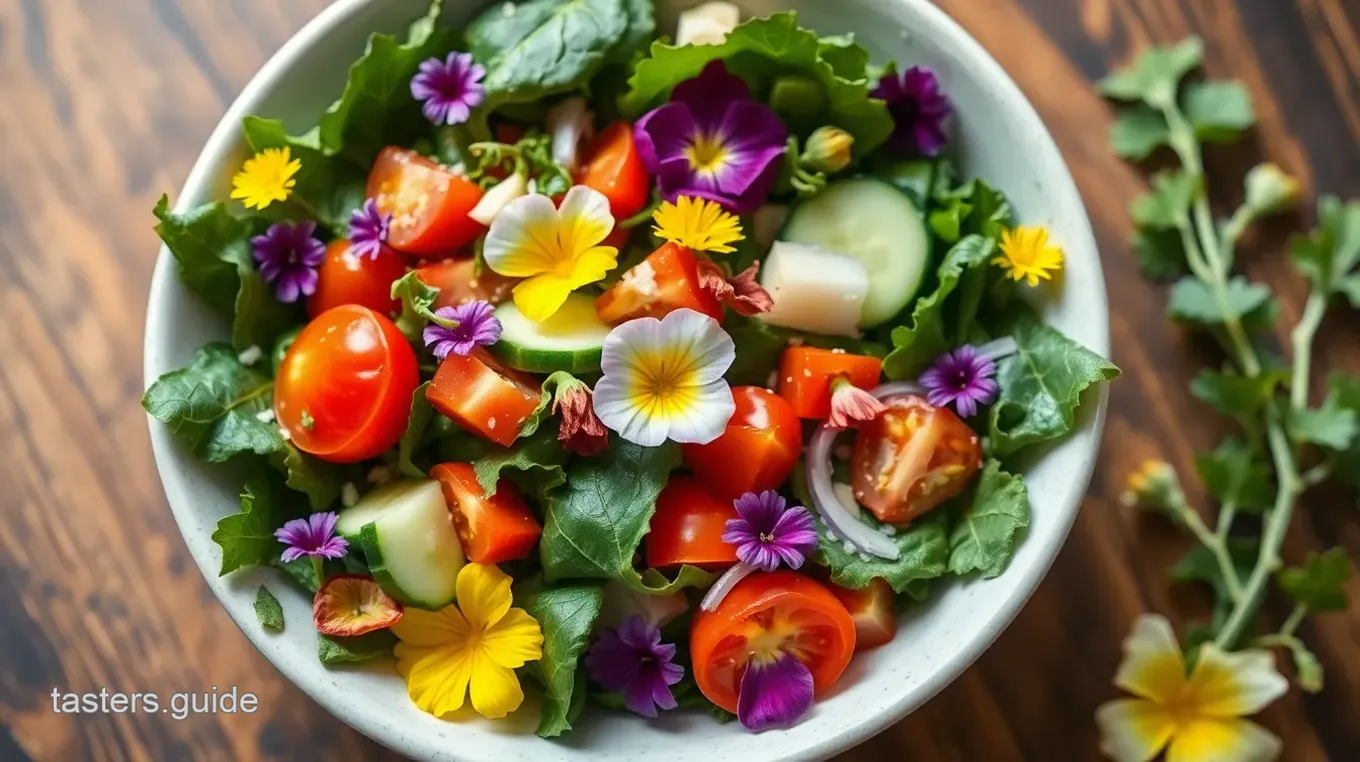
(106, 103)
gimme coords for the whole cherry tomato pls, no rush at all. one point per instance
(758, 450)
(493, 529)
(688, 526)
(458, 283)
(429, 204)
(614, 167)
(346, 278)
(343, 392)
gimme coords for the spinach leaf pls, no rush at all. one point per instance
(362, 648)
(640, 33)
(536, 463)
(247, 538)
(915, 347)
(924, 547)
(332, 186)
(566, 615)
(987, 526)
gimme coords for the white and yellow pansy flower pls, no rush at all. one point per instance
(1196, 717)
(663, 379)
(555, 249)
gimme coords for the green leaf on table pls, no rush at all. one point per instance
(336, 650)
(1160, 253)
(247, 538)
(1234, 475)
(1345, 390)
(1330, 252)
(1192, 301)
(1219, 111)
(536, 461)
(268, 610)
(1041, 387)
(1138, 132)
(1320, 584)
(566, 615)
(1155, 75)
(1350, 288)
(1333, 425)
(1201, 565)
(331, 186)
(918, 344)
(1235, 395)
(1167, 205)
(988, 522)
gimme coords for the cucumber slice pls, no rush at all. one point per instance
(874, 222)
(408, 539)
(571, 340)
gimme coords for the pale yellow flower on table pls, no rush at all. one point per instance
(1195, 717)
(698, 224)
(266, 177)
(1027, 254)
(556, 250)
(473, 647)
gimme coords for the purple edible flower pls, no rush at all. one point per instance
(918, 109)
(288, 255)
(769, 531)
(450, 89)
(774, 693)
(962, 378)
(368, 229)
(314, 537)
(474, 324)
(713, 141)
(633, 659)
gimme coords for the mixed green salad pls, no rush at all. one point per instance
(650, 373)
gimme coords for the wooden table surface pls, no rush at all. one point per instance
(106, 104)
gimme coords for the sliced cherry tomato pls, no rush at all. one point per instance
(806, 373)
(871, 608)
(912, 458)
(613, 166)
(345, 278)
(493, 529)
(458, 283)
(758, 450)
(483, 396)
(688, 525)
(343, 391)
(664, 282)
(765, 615)
(428, 202)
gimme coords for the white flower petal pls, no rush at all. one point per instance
(617, 408)
(1153, 666)
(1235, 684)
(1133, 730)
(706, 419)
(1210, 740)
(523, 240)
(619, 354)
(708, 346)
(585, 220)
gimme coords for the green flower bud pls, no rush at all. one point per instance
(796, 97)
(828, 150)
(1270, 190)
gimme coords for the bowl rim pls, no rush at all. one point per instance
(225, 137)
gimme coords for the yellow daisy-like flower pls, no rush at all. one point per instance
(265, 178)
(556, 250)
(1027, 255)
(698, 224)
(1196, 717)
(473, 647)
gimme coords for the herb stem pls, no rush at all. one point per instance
(1214, 542)
(1226, 514)
(1302, 338)
(319, 571)
(1295, 619)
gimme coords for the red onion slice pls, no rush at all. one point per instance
(724, 585)
(839, 521)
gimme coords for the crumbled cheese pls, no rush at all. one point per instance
(807, 373)
(491, 423)
(888, 529)
(795, 341)
(285, 434)
(508, 9)
(379, 475)
(265, 416)
(642, 279)
(251, 355)
(349, 494)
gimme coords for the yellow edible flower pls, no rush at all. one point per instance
(265, 178)
(557, 250)
(1027, 255)
(472, 647)
(1195, 717)
(698, 224)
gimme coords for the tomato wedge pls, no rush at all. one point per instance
(493, 529)
(765, 615)
(664, 282)
(459, 283)
(429, 204)
(806, 373)
(613, 166)
(871, 608)
(757, 451)
(688, 526)
(483, 396)
(345, 278)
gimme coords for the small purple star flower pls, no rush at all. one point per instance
(962, 378)
(475, 325)
(368, 229)
(313, 537)
(918, 109)
(774, 693)
(450, 89)
(770, 532)
(288, 255)
(633, 659)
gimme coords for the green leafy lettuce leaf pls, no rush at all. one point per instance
(268, 610)
(848, 59)
(247, 538)
(375, 645)
(1234, 475)
(1320, 584)
(988, 523)
(566, 615)
(535, 463)
(917, 345)
(974, 208)
(1328, 255)
(924, 547)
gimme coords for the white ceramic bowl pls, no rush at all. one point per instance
(1001, 138)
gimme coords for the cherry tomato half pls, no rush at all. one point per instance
(688, 526)
(912, 458)
(664, 282)
(765, 615)
(871, 609)
(458, 283)
(614, 167)
(483, 396)
(346, 278)
(492, 529)
(428, 202)
(758, 450)
(343, 391)
(806, 373)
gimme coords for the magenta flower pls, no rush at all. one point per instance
(288, 255)
(774, 693)
(962, 378)
(770, 532)
(368, 230)
(465, 327)
(313, 537)
(918, 109)
(450, 89)
(713, 141)
(633, 659)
